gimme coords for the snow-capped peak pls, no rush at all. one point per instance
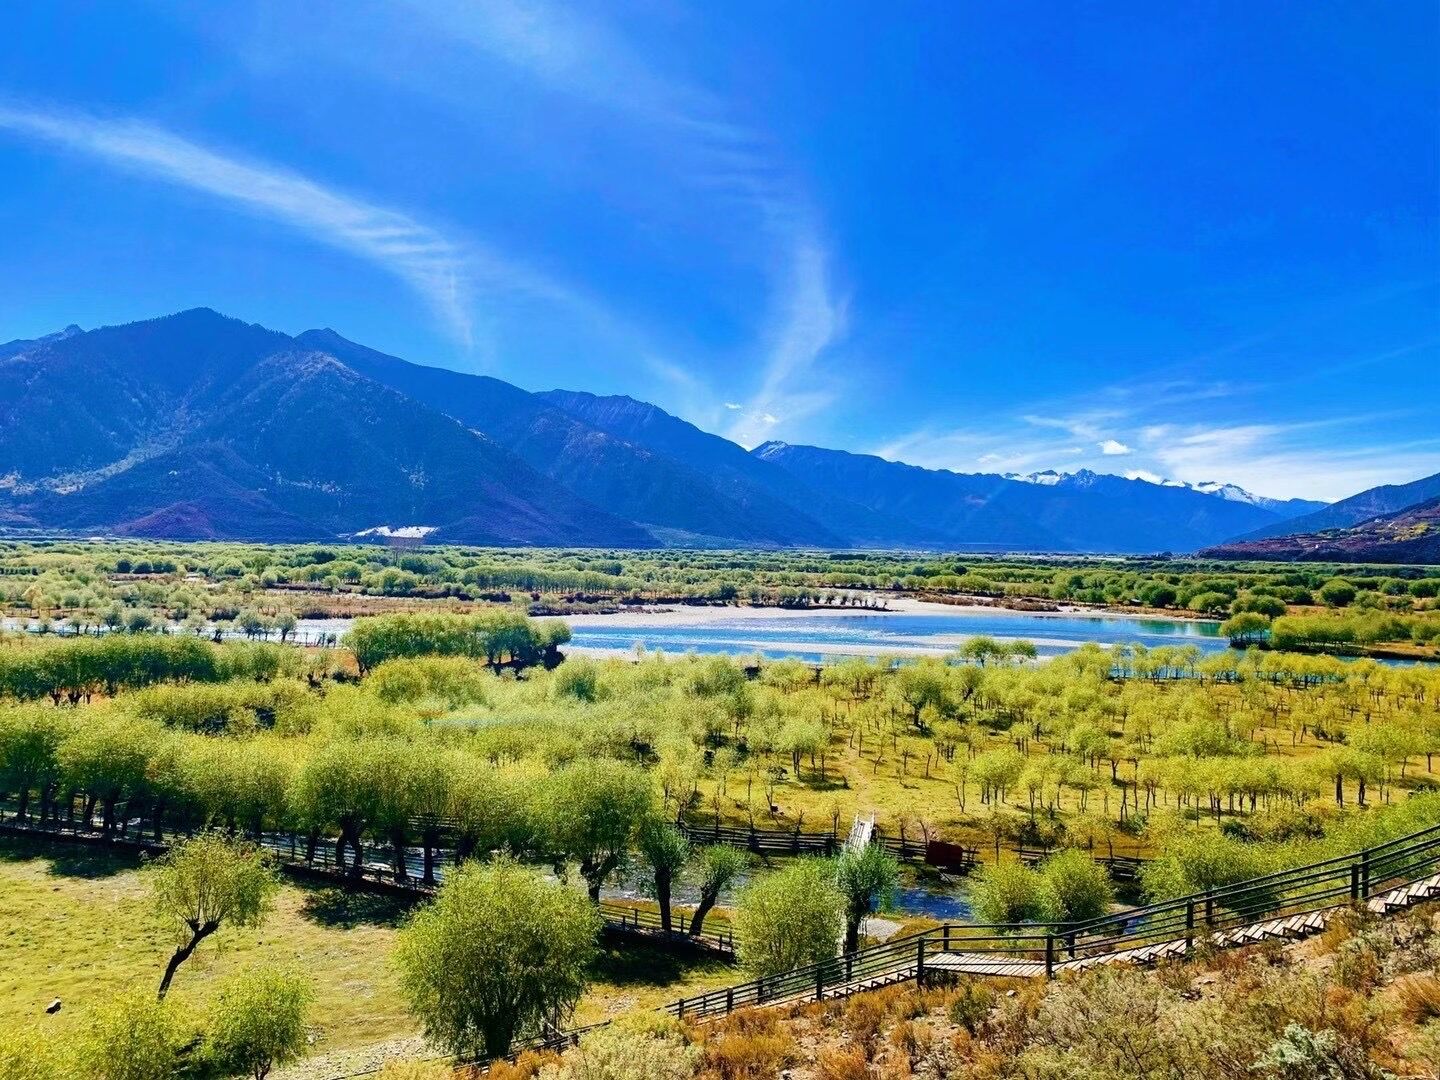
(1048, 478)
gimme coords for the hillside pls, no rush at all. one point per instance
(1410, 536)
(1373, 502)
(196, 425)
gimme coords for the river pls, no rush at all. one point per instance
(912, 629)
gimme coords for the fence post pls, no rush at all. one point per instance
(947, 937)
(1354, 882)
(1365, 875)
(1189, 925)
(920, 962)
(729, 1000)
(1070, 945)
(1049, 956)
(819, 982)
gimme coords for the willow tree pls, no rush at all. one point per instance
(500, 951)
(205, 883)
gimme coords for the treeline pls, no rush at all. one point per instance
(496, 637)
(138, 584)
(1333, 632)
(74, 670)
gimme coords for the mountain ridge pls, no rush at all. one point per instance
(198, 423)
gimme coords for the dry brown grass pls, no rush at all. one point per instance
(750, 1045)
(842, 1063)
(1418, 996)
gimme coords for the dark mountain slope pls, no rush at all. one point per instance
(1411, 535)
(340, 448)
(1370, 503)
(630, 480)
(19, 345)
(83, 401)
(202, 425)
(203, 491)
(1082, 512)
(754, 484)
(957, 505)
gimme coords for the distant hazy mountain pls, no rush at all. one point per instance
(827, 515)
(1284, 508)
(1371, 503)
(1411, 535)
(197, 425)
(1082, 511)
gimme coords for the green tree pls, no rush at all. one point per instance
(789, 918)
(1337, 592)
(257, 1021)
(1010, 892)
(207, 882)
(594, 809)
(31, 1054)
(717, 866)
(666, 850)
(1246, 628)
(499, 951)
(867, 879)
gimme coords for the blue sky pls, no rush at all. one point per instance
(1198, 241)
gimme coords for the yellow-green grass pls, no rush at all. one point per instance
(76, 924)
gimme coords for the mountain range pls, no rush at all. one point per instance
(196, 425)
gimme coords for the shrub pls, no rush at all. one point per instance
(1302, 1054)
(1010, 892)
(842, 1064)
(751, 1045)
(1419, 997)
(789, 918)
(971, 1006)
(257, 1021)
(620, 1053)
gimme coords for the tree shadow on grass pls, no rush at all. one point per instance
(67, 859)
(345, 909)
(633, 964)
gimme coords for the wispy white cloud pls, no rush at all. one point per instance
(435, 267)
(569, 51)
(1295, 459)
(1323, 458)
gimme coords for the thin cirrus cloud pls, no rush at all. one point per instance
(568, 52)
(439, 270)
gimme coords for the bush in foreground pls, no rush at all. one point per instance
(500, 950)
